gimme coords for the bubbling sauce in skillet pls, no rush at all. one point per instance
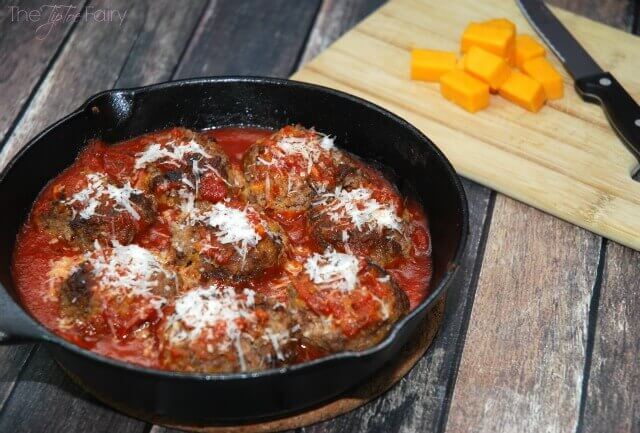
(234, 249)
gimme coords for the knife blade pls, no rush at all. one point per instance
(592, 83)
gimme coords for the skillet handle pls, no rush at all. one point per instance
(16, 327)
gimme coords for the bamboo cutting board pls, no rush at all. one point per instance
(565, 159)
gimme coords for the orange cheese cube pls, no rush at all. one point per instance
(460, 63)
(527, 48)
(486, 66)
(429, 65)
(544, 73)
(524, 91)
(500, 41)
(501, 22)
(464, 90)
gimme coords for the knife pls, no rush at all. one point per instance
(591, 82)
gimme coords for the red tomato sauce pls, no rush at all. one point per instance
(36, 249)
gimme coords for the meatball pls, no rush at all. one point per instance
(75, 294)
(345, 303)
(181, 163)
(97, 210)
(362, 215)
(219, 329)
(283, 172)
(115, 290)
(228, 240)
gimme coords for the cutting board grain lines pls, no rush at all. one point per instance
(565, 159)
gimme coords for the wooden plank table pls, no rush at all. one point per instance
(541, 330)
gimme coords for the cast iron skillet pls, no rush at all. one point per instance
(360, 127)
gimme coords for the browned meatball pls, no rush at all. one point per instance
(345, 303)
(363, 219)
(76, 300)
(115, 289)
(180, 162)
(98, 210)
(220, 329)
(283, 172)
(228, 240)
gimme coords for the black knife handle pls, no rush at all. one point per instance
(621, 110)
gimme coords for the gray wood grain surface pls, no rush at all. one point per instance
(28, 47)
(93, 59)
(543, 320)
(613, 397)
(524, 356)
(249, 38)
(334, 19)
(45, 400)
(616, 13)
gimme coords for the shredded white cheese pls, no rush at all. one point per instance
(203, 307)
(360, 208)
(98, 190)
(127, 270)
(327, 142)
(333, 270)
(308, 148)
(172, 151)
(199, 310)
(304, 147)
(232, 226)
(276, 339)
(384, 307)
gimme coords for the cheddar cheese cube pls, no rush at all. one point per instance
(523, 91)
(544, 73)
(505, 23)
(460, 63)
(495, 39)
(501, 22)
(486, 66)
(429, 65)
(464, 90)
(527, 48)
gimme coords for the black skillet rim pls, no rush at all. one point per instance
(50, 337)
